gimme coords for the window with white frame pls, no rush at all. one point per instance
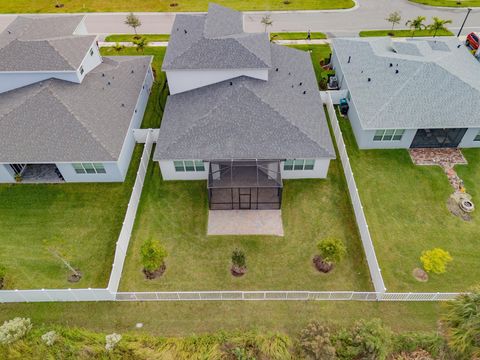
(477, 137)
(189, 165)
(91, 52)
(89, 168)
(81, 70)
(388, 135)
(299, 164)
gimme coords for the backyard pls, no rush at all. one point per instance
(405, 207)
(79, 6)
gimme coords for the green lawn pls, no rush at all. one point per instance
(74, 6)
(320, 54)
(130, 37)
(449, 3)
(296, 35)
(403, 33)
(175, 318)
(405, 206)
(82, 220)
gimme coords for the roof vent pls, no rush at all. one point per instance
(9, 32)
(289, 73)
(396, 71)
(132, 71)
(458, 46)
(276, 69)
(292, 86)
(300, 84)
(108, 83)
(369, 79)
(103, 75)
(391, 64)
(231, 83)
(349, 58)
(123, 105)
(185, 31)
(304, 92)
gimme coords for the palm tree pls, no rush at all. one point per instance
(267, 21)
(141, 44)
(462, 323)
(438, 25)
(118, 47)
(416, 24)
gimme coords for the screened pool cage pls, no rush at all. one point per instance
(245, 185)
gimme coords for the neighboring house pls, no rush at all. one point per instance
(66, 112)
(413, 93)
(244, 113)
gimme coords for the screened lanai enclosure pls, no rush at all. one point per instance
(245, 185)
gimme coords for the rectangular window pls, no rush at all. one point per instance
(91, 52)
(388, 135)
(299, 164)
(477, 137)
(288, 165)
(188, 165)
(81, 70)
(89, 168)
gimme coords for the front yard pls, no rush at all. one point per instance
(405, 206)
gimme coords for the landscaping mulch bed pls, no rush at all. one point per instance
(238, 270)
(420, 275)
(74, 278)
(150, 275)
(321, 265)
(452, 206)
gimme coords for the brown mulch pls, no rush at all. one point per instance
(238, 270)
(414, 355)
(420, 275)
(321, 265)
(150, 275)
(452, 206)
(74, 278)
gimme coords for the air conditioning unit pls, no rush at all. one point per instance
(332, 83)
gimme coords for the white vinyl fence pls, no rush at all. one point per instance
(129, 221)
(375, 272)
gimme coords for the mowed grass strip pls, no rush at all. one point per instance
(404, 33)
(405, 207)
(133, 37)
(79, 6)
(297, 35)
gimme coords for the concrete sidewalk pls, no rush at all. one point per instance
(245, 222)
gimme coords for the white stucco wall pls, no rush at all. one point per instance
(184, 80)
(467, 140)
(168, 172)
(320, 171)
(113, 173)
(6, 174)
(15, 80)
(90, 62)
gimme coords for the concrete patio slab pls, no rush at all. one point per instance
(245, 222)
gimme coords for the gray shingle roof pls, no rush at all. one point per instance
(215, 41)
(437, 84)
(60, 121)
(251, 118)
(43, 44)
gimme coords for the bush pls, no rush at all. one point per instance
(238, 258)
(14, 330)
(111, 341)
(462, 322)
(367, 340)
(433, 343)
(435, 260)
(315, 342)
(49, 338)
(331, 249)
(153, 255)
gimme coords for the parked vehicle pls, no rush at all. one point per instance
(472, 41)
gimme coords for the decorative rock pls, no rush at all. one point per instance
(467, 205)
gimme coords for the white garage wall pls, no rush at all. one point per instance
(320, 171)
(184, 80)
(113, 173)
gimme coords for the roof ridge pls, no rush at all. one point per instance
(246, 48)
(60, 54)
(80, 122)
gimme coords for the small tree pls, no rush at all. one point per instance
(435, 260)
(416, 24)
(153, 255)
(266, 21)
(331, 250)
(462, 322)
(315, 342)
(239, 263)
(141, 44)
(438, 25)
(133, 21)
(394, 18)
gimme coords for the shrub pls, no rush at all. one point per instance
(435, 260)
(315, 342)
(331, 249)
(14, 330)
(111, 341)
(238, 258)
(153, 255)
(409, 342)
(462, 322)
(367, 340)
(49, 338)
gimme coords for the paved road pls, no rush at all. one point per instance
(369, 14)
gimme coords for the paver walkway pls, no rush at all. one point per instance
(245, 222)
(446, 158)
